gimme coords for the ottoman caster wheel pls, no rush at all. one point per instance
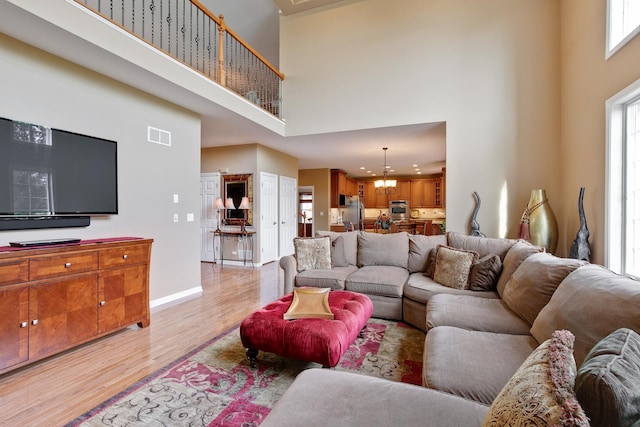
(361, 334)
(252, 354)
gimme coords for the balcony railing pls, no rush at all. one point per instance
(188, 32)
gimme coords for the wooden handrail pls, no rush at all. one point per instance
(224, 27)
(219, 53)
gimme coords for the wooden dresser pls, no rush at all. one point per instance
(54, 298)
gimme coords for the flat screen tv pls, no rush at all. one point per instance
(51, 172)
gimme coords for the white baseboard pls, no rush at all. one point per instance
(171, 300)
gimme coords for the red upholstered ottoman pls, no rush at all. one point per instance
(312, 340)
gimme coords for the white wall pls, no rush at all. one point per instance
(489, 69)
(39, 88)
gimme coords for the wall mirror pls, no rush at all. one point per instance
(236, 187)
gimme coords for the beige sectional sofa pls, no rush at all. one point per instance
(476, 341)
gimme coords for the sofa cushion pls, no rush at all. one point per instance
(350, 243)
(485, 273)
(516, 254)
(482, 245)
(420, 248)
(378, 280)
(326, 397)
(333, 278)
(541, 391)
(338, 258)
(533, 283)
(471, 364)
(313, 253)
(383, 249)
(420, 288)
(453, 266)
(591, 302)
(474, 314)
(608, 382)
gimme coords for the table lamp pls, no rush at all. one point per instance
(244, 204)
(218, 205)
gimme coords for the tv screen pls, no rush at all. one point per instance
(46, 171)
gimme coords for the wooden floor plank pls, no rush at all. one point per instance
(56, 390)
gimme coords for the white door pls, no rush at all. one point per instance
(268, 217)
(288, 214)
(209, 190)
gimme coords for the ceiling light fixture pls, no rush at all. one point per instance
(384, 185)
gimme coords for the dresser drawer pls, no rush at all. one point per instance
(14, 271)
(125, 255)
(60, 265)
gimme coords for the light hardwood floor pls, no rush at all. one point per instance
(56, 390)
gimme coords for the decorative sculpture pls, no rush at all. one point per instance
(475, 227)
(580, 248)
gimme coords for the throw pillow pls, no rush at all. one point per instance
(485, 273)
(313, 253)
(608, 382)
(517, 253)
(453, 267)
(309, 303)
(338, 258)
(431, 263)
(540, 393)
(533, 283)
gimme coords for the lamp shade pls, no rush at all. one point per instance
(218, 203)
(244, 203)
(228, 204)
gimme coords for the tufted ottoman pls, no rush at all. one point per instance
(312, 340)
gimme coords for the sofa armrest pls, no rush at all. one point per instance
(290, 266)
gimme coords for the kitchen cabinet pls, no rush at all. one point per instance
(426, 193)
(54, 298)
(341, 184)
(372, 199)
(403, 191)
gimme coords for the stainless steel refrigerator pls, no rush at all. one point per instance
(353, 211)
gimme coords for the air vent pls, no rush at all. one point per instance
(159, 136)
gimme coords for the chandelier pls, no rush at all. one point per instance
(384, 185)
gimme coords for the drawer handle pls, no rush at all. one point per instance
(124, 256)
(34, 322)
(102, 303)
(24, 324)
(67, 264)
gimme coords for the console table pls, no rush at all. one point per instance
(246, 236)
(53, 298)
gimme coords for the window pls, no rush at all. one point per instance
(623, 23)
(623, 182)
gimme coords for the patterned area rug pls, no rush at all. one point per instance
(214, 385)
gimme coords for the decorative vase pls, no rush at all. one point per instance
(538, 223)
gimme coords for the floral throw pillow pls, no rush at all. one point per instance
(313, 253)
(541, 393)
(453, 266)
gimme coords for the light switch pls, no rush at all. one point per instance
(176, 218)
(175, 198)
(189, 217)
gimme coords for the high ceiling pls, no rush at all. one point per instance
(421, 144)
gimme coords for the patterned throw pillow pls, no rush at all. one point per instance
(453, 266)
(484, 273)
(608, 382)
(313, 253)
(540, 393)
